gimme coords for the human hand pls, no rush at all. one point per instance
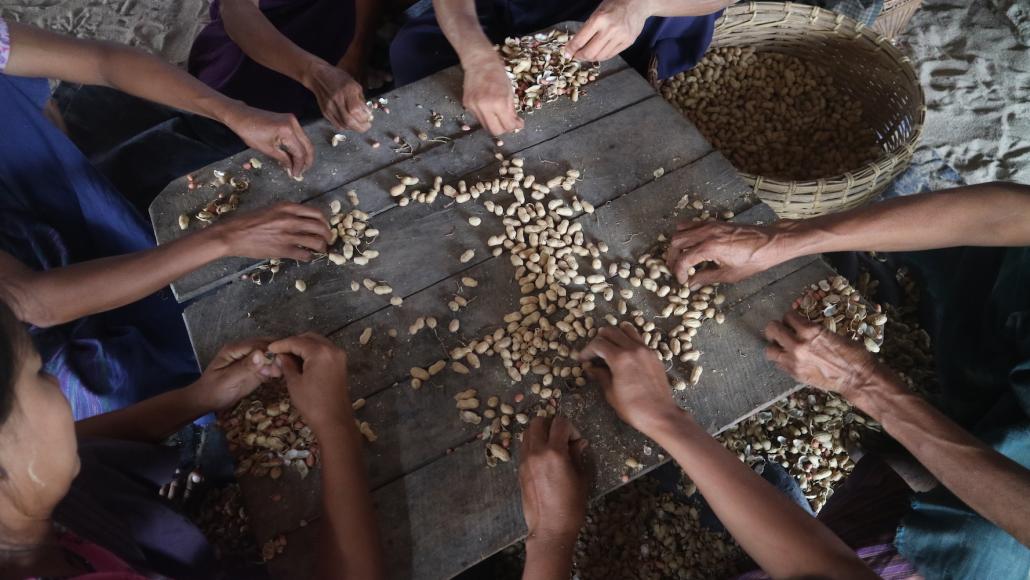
(489, 95)
(815, 356)
(284, 230)
(553, 479)
(737, 250)
(318, 385)
(234, 373)
(612, 28)
(340, 97)
(635, 383)
(277, 135)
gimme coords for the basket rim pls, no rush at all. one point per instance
(888, 162)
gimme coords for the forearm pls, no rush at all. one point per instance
(548, 558)
(460, 25)
(686, 7)
(248, 27)
(150, 421)
(39, 53)
(781, 538)
(365, 19)
(991, 214)
(60, 295)
(353, 534)
(988, 482)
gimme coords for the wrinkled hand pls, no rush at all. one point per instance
(277, 135)
(316, 376)
(489, 95)
(815, 356)
(234, 373)
(612, 28)
(635, 383)
(284, 230)
(737, 251)
(340, 97)
(553, 478)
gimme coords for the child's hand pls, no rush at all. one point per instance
(234, 373)
(318, 383)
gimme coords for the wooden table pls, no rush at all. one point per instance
(441, 509)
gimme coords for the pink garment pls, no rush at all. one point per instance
(105, 565)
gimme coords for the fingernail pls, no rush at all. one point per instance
(257, 358)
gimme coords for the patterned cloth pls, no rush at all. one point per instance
(421, 49)
(5, 44)
(57, 210)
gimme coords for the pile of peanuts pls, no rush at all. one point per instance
(774, 115)
(540, 72)
(566, 280)
(808, 432)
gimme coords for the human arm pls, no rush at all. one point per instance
(316, 376)
(990, 214)
(52, 297)
(340, 97)
(615, 24)
(234, 373)
(487, 89)
(355, 60)
(988, 482)
(554, 495)
(781, 538)
(39, 53)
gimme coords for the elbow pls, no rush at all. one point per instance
(29, 306)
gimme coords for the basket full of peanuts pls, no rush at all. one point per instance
(817, 113)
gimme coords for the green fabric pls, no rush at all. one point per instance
(980, 322)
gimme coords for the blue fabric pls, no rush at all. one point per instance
(56, 210)
(421, 49)
(981, 326)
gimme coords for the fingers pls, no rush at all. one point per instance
(600, 375)
(777, 356)
(359, 118)
(536, 435)
(264, 367)
(682, 262)
(307, 149)
(303, 345)
(781, 335)
(295, 253)
(801, 325)
(706, 276)
(600, 347)
(289, 367)
(592, 49)
(581, 38)
(235, 351)
(631, 333)
(313, 243)
(300, 210)
(562, 433)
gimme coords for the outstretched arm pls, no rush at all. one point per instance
(234, 373)
(487, 90)
(615, 24)
(988, 482)
(990, 214)
(316, 375)
(783, 539)
(52, 297)
(38, 53)
(339, 95)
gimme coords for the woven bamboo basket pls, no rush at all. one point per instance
(894, 17)
(865, 65)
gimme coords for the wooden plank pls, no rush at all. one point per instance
(338, 167)
(455, 512)
(418, 427)
(420, 244)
